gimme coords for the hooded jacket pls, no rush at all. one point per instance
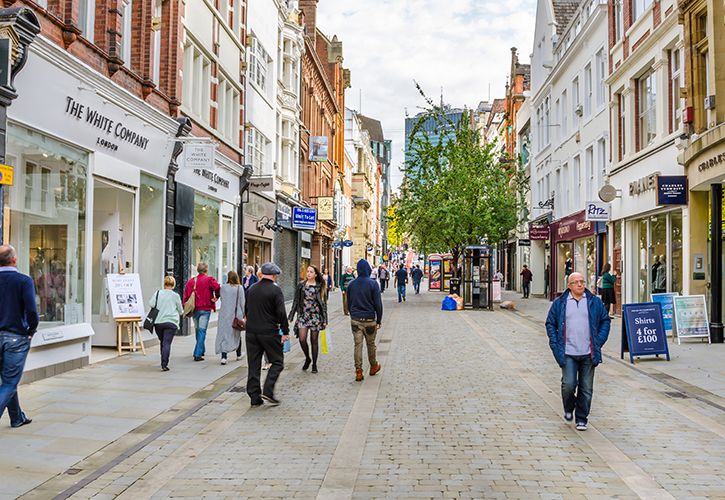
(363, 295)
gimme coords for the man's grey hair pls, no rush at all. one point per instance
(7, 254)
(202, 267)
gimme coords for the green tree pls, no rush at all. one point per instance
(395, 237)
(457, 192)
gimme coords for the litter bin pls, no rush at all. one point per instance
(455, 286)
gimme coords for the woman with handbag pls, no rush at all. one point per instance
(168, 304)
(231, 318)
(310, 305)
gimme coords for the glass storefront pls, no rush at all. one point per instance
(564, 264)
(151, 234)
(227, 262)
(44, 219)
(658, 256)
(585, 260)
(205, 235)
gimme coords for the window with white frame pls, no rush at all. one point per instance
(588, 89)
(621, 127)
(539, 131)
(228, 110)
(156, 43)
(591, 173)
(618, 19)
(557, 121)
(601, 63)
(601, 161)
(647, 112)
(547, 122)
(638, 8)
(564, 114)
(87, 18)
(576, 181)
(258, 64)
(575, 99)
(675, 83)
(257, 145)
(196, 83)
(126, 20)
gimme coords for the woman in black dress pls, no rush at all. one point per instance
(310, 305)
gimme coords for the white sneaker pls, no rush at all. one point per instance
(568, 416)
(238, 358)
(224, 361)
(581, 426)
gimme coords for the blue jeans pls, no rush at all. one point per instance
(577, 386)
(13, 352)
(401, 292)
(416, 286)
(201, 321)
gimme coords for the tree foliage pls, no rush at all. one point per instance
(456, 192)
(395, 237)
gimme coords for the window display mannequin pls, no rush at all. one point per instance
(568, 266)
(655, 266)
(660, 283)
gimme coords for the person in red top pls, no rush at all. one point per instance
(526, 278)
(207, 292)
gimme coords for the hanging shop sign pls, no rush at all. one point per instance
(538, 231)
(572, 228)
(691, 320)
(6, 175)
(283, 215)
(598, 211)
(318, 148)
(262, 184)
(525, 243)
(199, 155)
(325, 208)
(217, 183)
(643, 185)
(666, 302)
(672, 190)
(304, 218)
(643, 332)
(124, 295)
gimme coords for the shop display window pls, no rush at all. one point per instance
(658, 256)
(564, 264)
(45, 216)
(205, 235)
(151, 234)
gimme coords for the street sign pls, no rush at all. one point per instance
(6, 175)
(524, 243)
(691, 317)
(643, 333)
(668, 308)
(347, 243)
(304, 218)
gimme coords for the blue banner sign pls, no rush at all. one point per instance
(304, 218)
(643, 332)
(347, 243)
(672, 190)
(666, 301)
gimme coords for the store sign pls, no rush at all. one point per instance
(713, 162)
(538, 231)
(199, 156)
(283, 215)
(326, 208)
(113, 131)
(643, 333)
(672, 190)
(318, 148)
(6, 175)
(219, 183)
(643, 185)
(524, 243)
(304, 218)
(691, 317)
(572, 228)
(598, 211)
(305, 253)
(262, 184)
(124, 295)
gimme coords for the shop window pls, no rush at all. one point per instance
(564, 264)
(647, 112)
(45, 215)
(151, 233)
(205, 235)
(676, 259)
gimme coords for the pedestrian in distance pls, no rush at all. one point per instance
(366, 316)
(328, 281)
(401, 280)
(166, 324)
(546, 280)
(206, 292)
(266, 317)
(608, 280)
(526, 278)
(345, 280)
(228, 338)
(417, 276)
(250, 278)
(577, 327)
(383, 277)
(310, 306)
(18, 322)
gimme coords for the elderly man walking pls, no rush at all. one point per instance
(345, 280)
(577, 326)
(18, 322)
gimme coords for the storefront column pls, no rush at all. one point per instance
(716, 326)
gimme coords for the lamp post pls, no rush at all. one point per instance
(18, 28)
(247, 172)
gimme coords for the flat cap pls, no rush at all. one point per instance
(270, 268)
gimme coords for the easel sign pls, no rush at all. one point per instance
(691, 317)
(643, 332)
(124, 295)
(666, 300)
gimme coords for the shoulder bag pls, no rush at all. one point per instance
(150, 320)
(190, 303)
(238, 324)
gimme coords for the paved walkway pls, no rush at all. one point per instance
(466, 406)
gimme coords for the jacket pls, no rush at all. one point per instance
(298, 304)
(417, 275)
(345, 280)
(599, 324)
(608, 280)
(264, 308)
(18, 311)
(207, 288)
(363, 295)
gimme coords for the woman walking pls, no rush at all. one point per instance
(608, 280)
(249, 278)
(310, 305)
(228, 338)
(168, 303)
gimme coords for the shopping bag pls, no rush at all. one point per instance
(324, 342)
(449, 304)
(286, 346)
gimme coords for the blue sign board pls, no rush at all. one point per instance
(347, 243)
(666, 301)
(304, 218)
(672, 190)
(643, 332)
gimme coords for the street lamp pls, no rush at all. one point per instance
(244, 181)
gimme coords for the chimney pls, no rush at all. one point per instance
(309, 9)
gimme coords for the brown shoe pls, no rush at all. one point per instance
(375, 369)
(359, 375)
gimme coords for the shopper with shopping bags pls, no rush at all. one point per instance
(310, 306)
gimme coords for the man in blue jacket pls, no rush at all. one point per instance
(577, 326)
(366, 314)
(18, 322)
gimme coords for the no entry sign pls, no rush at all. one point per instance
(643, 333)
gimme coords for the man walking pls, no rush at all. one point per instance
(383, 276)
(345, 280)
(526, 279)
(18, 322)
(266, 316)
(206, 291)
(401, 280)
(366, 314)
(577, 326)
(417, 276)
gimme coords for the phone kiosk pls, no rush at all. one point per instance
(478, 277)
(434, 271)
(448, 271)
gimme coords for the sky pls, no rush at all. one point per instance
(463, 46)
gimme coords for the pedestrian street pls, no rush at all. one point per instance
(467, 405)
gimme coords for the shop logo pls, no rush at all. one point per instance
(712, 162)
(97, 120)
(644, 184)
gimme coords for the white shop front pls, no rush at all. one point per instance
(88, 199)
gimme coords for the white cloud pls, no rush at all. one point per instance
(461, 45)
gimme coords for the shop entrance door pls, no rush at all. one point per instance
(114, 208)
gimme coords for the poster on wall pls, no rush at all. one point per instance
(666, 301)
(434, 282)
(318, 148)
(124, 295)
(691, 319)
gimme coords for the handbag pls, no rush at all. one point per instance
(190, 303)
(238, 324)
(148, 323)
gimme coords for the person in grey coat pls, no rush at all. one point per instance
(232, 298)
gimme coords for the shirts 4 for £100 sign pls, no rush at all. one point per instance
(643, 333)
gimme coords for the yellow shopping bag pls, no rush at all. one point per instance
(323, 342)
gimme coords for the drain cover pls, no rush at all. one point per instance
(73, 472)
(676, 394)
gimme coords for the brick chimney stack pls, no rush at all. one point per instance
(309, 9)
